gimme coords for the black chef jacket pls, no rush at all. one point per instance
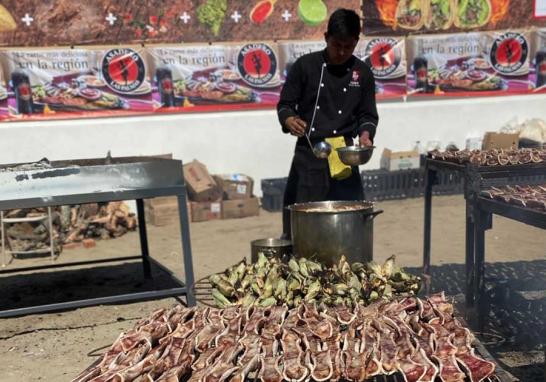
(346, 107)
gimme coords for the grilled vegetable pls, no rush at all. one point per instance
(270, 282)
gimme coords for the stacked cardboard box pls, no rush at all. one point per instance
(400, 160)
(204, 194)
(219, 196)
(238, 198)
(163, 211)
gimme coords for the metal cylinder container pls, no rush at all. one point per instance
(326, 230)
(270, 248)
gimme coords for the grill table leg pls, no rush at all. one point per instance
(143, 239)
(469, 260)
(430, 176)
(186, 249)
(481, 225)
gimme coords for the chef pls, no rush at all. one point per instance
(328, 95)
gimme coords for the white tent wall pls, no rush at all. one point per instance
(251, 142)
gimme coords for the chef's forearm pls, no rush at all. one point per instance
(283, 113)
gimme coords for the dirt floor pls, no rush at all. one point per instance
(57, 346)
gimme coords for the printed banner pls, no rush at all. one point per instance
(106, 22)
(471, 64)
(67, 83)
(290, 51)
(4, 113)
(386, 56)
(403, 17)
(537, 75)
(216, 77)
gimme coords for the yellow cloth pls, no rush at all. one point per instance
(338, 169)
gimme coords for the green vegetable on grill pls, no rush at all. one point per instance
(270, 282)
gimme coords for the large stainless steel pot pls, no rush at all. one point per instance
(327, 230)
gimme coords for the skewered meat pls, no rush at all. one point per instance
(522, 196)
(421, 339)
(493, 157)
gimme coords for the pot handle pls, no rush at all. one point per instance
(375, 213)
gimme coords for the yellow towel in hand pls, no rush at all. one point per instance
(338, 170)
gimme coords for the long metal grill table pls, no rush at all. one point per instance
(475, 179)
(44, 184)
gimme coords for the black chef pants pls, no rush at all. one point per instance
(309, 181)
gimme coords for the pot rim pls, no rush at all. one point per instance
(312, 207)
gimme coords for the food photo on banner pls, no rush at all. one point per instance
(67, 83)
(471, 64)
(537, 75)
(404, 17)
(386, 56)
(106, 22)
(205, 77)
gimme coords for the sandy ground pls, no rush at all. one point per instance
(57, 346)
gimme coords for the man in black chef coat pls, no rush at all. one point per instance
(345, 107)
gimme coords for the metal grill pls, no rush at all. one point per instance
(204, 296)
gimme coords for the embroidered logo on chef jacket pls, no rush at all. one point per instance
(123, 70)
(355, 79)
(257, 64)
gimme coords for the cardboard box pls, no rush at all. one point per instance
(400, 160)
(161, 201)
(164, 214)
(232, 209)
(235, 186)
(201, 185)
(493, 140)
(204, 211)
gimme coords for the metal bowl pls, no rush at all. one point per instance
(355, 155)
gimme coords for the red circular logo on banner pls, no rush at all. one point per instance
(383, 56)
(123, 70)
(509, 53)
(257, 64)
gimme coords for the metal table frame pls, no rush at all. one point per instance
(139, 194)
(475, 179)
(483, 211)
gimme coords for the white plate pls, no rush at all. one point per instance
(91, 81)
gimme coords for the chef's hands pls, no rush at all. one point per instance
(365, 139)
(296, 125)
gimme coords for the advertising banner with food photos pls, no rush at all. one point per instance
(106, 22)
(67, 83)
(386, 56)
(405, 17)
(472, 64)
(537, 75)
(215, 77)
